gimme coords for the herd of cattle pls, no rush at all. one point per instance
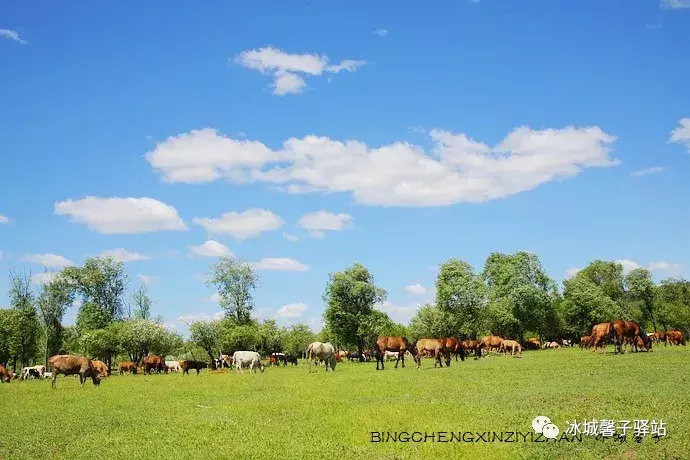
(620, 333)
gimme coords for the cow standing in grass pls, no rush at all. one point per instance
(187, 364)
(73, 365)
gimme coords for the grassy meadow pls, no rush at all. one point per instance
(288, 413)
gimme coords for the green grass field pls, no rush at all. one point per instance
(288, 413)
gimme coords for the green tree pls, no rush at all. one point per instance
(608, 276)
(55, 297)
(101, 343)
(236, 337)
(672, 304)
(297, 339)
(205, 335)
(141, 337)
(586, 304)
(27, 332)
(9, 338)
(142, 304)
(271, 338)
(350, 297)
(641, 289)
(431, 321)
(235, 282)
(462, 295)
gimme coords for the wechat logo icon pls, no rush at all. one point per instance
(542, 425)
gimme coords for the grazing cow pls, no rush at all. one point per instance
(675, 337)
(623, 330)
(223, 361)
(33, 371)
(247, 358)
(5, 375)
(71, 365)
(173, 366)
(323, 352)
(187, 364)
(153, 362)
(585, 342)
(399, 344)
(601, 334)
(101, 368)
(432, 345)
(127, 366)
(512, 345)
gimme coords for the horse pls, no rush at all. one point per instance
(675, 337)
(491, 342)
(454, 346)
(601, 333)
(323, 352)
(435, 345)
(399, 344)
(584, 342)
(513, 345)
(628, 330)
(472, 345)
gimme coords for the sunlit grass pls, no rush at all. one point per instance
(288, 413)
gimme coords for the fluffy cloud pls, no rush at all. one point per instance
(648, 171)
(416, 289)
(211, 248)
(11, 35)
(321, 221)
(293, 310)
(381, 32)
(670, 269)
(291, 238)
(242, 225)
(569, 273)
(400, 314)
(121, 215)
(280, 264)
(215, 298)
(123, 255)
(681, 134)
(43, 278)
(457, 169)
(193, 317)
(284, 67)
(675, 4)
(4, 219)
(147, 279)
(49, 260)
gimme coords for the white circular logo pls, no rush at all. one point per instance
(550, 431)
(539, 422)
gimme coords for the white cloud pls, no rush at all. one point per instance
(647, 171)
(49, 260)
(675, 4)
(147, 279)
(43, 278)
(671, 269)
(280, 264)
(398, 313)
(190, 318)
(122, 255)
(628, 265)
(169, 326)
(291, 238)
(12, 35)
(381, 32)
(293, 310)
(211, 248)
(121, 215)
(242, 225)
(4, 219)
(416, 288)
(457, 169)
(572, 271)
(284, 67)
(681, 134)
(315, 324)
(215, 298)
(321, 221)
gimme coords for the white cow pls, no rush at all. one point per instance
(247, 358)
(173, 366)
(323, 352)
(33, 371)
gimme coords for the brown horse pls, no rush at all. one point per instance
(437, 347)
(472, 345)
(511, 345)
(399, 344)
(675, 337)
(454, 346)
(491, 342)
(584, 342)
(623, 330)
(601, 334)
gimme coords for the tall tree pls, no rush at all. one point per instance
(297, 339)
(462, 295)
(28, 327)
(641, 289)
(55, 297)
(350, 297)
(431, 321)
(142, 303)
(235, 282)
(586, 304)
(672, 304)
(205, 335)
(608, 276)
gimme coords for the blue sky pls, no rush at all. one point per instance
(305, 136)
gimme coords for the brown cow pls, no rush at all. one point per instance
(432, 345)
(100, 366)
(153, 362)
(127, 366)
(675, 337)
(601, 333)
(5, 375)
(512, 345)
(399, 344)
(71, 365)
(623, 330)
(188, 364)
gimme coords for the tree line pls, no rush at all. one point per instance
(512, 296)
